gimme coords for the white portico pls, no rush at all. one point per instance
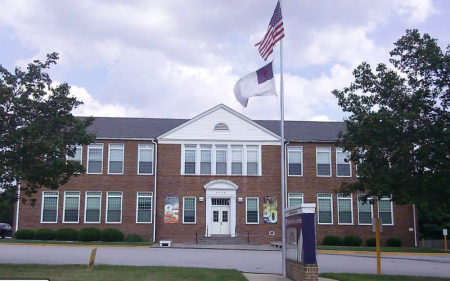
(220, 208)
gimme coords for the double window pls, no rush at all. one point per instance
(49, 208)
(365, 211)
(385, 211)
(189, 210)
(343, 168)
(144, 207)
(323, 161)
(145, 159)
(71, 206)
(114, 207)
(95, 158)
(295, 160)
(295, 199)
(252, 210)
(78, 155)
(324, 208)
(115, 153)
(345, 209)
(92, 208)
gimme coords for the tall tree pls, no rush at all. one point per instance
(38, 130)
(398, 129)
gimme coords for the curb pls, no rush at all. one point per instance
(382, 253)
(76, 245)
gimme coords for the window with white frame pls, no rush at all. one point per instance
(145, 159)
(189, 159)
(365, 211)
(236, 160)
(323, 159)
(205, 159)
(343, 168)
(221, 159)
(144, 207)
(93, 202)
(95, 158)
(71, 206)
(345, 209)
(114, 207)
(385, 211)
(295, 199)
(49, 208)
(115, 153)
(252, 210)
(252, 160)
(78, 155)
(324, 208)
(189, 210)
(294, 160)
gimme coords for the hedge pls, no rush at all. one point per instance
(89, 234)
(25, 234)
(111, 235)
(331, 240)
(352, 240)
(134, 238)
(371, 242)
(66, 234)
(44, 234)
(394, 242)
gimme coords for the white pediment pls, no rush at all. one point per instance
(202, 127)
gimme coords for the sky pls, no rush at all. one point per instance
(179, 58)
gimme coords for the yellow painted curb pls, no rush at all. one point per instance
(77, 245)
(383, 253)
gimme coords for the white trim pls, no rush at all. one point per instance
(331, 163)
(139, 139)
(42, 206)
(109, 157)
(121, 207)
(212, 141)
(87, 158)
(295, 148)
(64, 206)
(318, 213)
(392, 210)
(137, 206)
(257, 208)
(294, 197)
(100, 206)
(139, 158)
(351, 208)
(220, 106)
(195, 209)
(357, 206)
(349, 163)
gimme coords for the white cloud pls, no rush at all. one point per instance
(320, 118)
(416, 11)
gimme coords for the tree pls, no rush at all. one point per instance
(398, 129)
(38, 130)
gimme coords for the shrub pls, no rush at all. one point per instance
(331, 240)
(352, 240)
(394, 242)
(44, 234)
(111, 235)
(133, 238)
(66, 234)
(89, 234)
(371, 242)
(25, 234)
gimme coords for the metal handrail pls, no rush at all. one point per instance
(196, 232)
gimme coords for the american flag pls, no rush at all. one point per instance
(275, 32)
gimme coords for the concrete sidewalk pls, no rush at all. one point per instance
(272, 277)
(248, 247)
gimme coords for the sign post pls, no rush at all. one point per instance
(377, 228)
(445, 239)
(92, 258)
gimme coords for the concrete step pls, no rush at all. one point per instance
(221, 240)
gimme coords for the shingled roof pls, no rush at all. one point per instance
(149, 128)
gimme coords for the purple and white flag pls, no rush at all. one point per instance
(258, 83)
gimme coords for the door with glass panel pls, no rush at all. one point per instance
(220, 216)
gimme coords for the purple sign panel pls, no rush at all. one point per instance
(301, 238)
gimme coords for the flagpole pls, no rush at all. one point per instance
(283, 199)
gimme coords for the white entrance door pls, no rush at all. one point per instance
(220, 219)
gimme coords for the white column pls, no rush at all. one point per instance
(233, 216)
(208, 217)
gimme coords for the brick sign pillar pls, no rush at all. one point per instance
(301, 262)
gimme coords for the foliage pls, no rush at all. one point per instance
(38, 130)
(133, 238)
(398, 130)
(44, 234)
(89, 234)
(371, 242)
(394, 242)
(432, 221)
(352, 240)
(331, 240)
(111, 235)
(66, 234)
(25, 234)
(7, 200)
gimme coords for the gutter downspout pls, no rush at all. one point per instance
(415, 228)
(17, 208)
(285, 175)
(155, 142)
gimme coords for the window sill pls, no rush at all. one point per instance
(49, 222)
(345, 224)
(321, 223)
(189, 223)
(296, 176)
(70, 222)
(143, 222)
(224, 175)
(324, 176)
(92, 222)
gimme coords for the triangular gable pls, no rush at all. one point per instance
(201, 127)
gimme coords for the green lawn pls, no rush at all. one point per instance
(371, 277)
(117, 273)
(93, 243)
(383, 249)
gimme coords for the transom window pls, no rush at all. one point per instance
(343, 168)
(95, 158)
(295, 161)
(295, 199)
(93, 206)
(71, 206)
(220, 201)
(324, 208)
(365, 211)
(78, 155)
(49, 208)
(252, 210)
(144, 207)
(189, 204)
(345, 209)
(323, 159)
(115, 158)
(114, 207)
(145, 159)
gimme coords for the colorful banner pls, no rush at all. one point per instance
(171, 209)
(270, 213)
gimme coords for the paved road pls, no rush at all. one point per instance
(246, 261)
